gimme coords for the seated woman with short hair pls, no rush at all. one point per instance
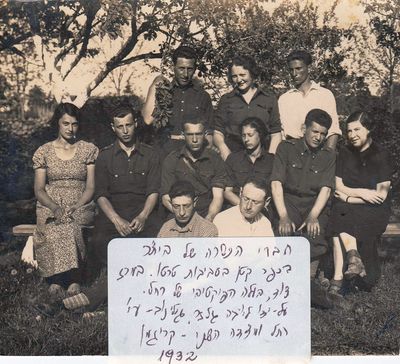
(362, 208)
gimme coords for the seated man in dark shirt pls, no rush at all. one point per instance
(302, 180)
(252, 162)
(186, 222)
(199, 165)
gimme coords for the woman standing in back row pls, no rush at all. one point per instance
(246, 100)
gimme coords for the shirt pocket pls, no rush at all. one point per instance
(294, 173)
(138, 179)
(316, 177)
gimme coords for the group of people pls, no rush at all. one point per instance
(255, 166)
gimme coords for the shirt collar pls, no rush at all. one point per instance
(314, 86)
(193, 85)
(304, 148)
(188, 227)
(117, 148)
(236, 92)
(205, 154)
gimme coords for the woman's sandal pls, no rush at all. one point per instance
(355, 265)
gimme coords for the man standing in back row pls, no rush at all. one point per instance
(303, 97)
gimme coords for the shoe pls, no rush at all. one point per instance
(56, 290)
(73, 289)
(48, 309)
(322, 280)
(335, 287)
(355, 265)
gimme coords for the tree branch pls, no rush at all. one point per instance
(139, 57)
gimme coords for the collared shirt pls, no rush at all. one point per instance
(121, 177)
(190, 101)
(240, 168)
(302, 171)
(233, 109)
(197, 227)
(231, 222)
(210, 172)
(294, 106)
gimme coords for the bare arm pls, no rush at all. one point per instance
(137, 224)
(311, 222)
(332, 141)
(276, 138)
(377, 196)
(230, 196)
(41, 194)
(149, 105)
(286, 226)
(216, 203)
(166, 201)
(219, 142)
(88, 193)
(120, 224)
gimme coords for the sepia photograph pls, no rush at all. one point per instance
(213, 119)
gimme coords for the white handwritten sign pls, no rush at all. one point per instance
(194, 299)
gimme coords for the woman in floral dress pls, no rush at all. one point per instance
(64, 187)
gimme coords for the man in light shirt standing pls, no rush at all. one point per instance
(246, 219)
(303, 97)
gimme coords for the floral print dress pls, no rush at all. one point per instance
(60, 247)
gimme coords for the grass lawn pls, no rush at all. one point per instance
(371, 327)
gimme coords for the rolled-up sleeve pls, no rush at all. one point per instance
(274, 122)
(154, 175)
(167, 174)
(328, 176)
(220, 115)
(220, 179)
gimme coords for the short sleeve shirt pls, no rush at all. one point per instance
(190, 101)
(233, 109)
(294, 107)
(240, 168)
(124, 178)
(301, 171)
(364, 169)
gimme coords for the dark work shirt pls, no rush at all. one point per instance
(241, 168)
(301, 171)
(233, 109)
(364, 169)
(122, 178)
(190, 101)
(210, 172)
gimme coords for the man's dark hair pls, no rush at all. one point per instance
(299, 55)
(184, 51)
(182, 188)
(363, 118)
(121, 111)
(61, 109)
(193, 119)
(258, 125)
(318, 116)
(247, 62)
(258, 183)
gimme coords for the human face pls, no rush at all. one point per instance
(194, 137)
(183, 209)
(357, 134)
(241, 78)
(67, 127)
(252, 201)
(315, 135)
(299, 72)
(250, 138)
(184, 70)
(124, 129)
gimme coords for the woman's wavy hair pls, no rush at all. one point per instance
(61, 109)
(247, 62)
